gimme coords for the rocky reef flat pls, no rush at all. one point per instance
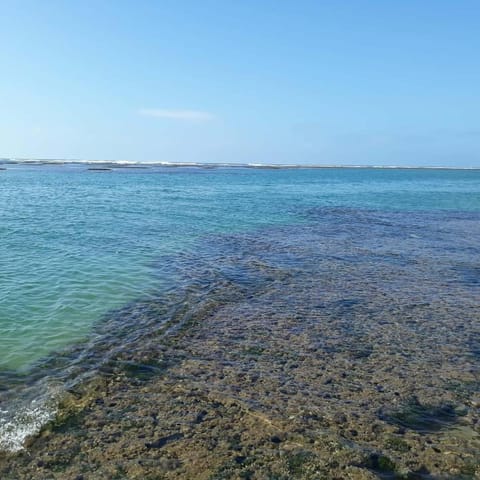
(312, 355)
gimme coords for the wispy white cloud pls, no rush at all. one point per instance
(189, 115)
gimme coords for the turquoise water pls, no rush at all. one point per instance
(79, 243)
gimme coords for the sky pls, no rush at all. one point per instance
(359, 82)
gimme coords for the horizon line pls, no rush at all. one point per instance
(60, 161)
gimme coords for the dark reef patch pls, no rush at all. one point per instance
(423, 418)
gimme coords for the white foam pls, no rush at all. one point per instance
(19, 422)
(60, 161)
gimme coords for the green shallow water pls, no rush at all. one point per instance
(78, 243)
(95, 265)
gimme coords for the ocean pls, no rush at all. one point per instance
(348, 268)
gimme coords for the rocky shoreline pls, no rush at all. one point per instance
(351, 368)
(221, 400)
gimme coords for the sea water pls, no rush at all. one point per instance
(79, 243)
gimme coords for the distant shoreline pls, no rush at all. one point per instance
(271, 166)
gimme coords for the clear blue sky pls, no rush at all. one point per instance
(260, 81)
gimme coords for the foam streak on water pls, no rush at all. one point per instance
(27, 421)
(27, 406)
